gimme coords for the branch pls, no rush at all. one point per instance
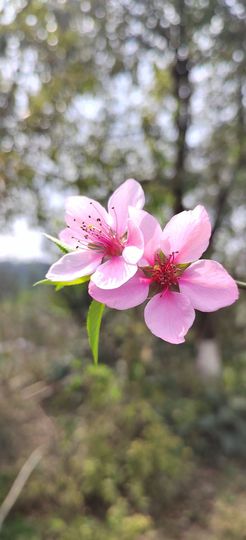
(180, 76)
(19, 483)
(220, 204)
(241, 284)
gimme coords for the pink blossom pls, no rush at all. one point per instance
(106, 244)
(170, 273)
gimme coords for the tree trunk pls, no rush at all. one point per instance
(209, 363)
(209, 360)
(182, 93)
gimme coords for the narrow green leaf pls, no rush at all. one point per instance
(79, 281)
(43, 282)
(58, 243)
(60, 284)
(94, 318)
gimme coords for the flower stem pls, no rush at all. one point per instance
(241, 284)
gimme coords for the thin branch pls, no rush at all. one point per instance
(19, 483)
(241, 284)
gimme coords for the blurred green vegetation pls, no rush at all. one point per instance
(138, 447)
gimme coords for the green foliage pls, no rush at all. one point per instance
(94, 319)
(104, 389)
(136, 446)
(20, 529)
(115, 466)
(118, 525)
(209, 417)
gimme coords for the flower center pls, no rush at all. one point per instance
(164, 271)
(96, 234)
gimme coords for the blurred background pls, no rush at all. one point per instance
(150, 444)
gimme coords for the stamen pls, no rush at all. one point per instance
(116, 219)
(97, 210)
(165, 271)
(98, 235)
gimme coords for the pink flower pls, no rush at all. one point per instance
(177, 283)
(107, 245)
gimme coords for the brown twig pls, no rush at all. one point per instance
(19, 483)
(241, 284)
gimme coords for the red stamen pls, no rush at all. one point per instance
(164, 271)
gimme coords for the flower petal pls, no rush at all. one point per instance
(74, 265)
(129, 193)
(71, 237)
(131, 294)
(169, 316)
(208, 285)
(151, 231)
(113, 273)
(81, 209)
(188, 234)
(135, 243)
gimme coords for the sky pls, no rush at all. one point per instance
(22, 243)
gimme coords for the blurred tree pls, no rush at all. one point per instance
(66, 69)
(94, 92)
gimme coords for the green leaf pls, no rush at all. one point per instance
(60, 284)
(43, 282)
(94, 318)
(58, 243)
(79, 281)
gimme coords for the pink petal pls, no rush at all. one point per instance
(70, 237)
(129, 295)
(208, 286)
(74, 265)
(151, 231)
(83, 209)
(113, 273)
(188, 234)
(129, 193)
(135, 243)
(169, 316)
